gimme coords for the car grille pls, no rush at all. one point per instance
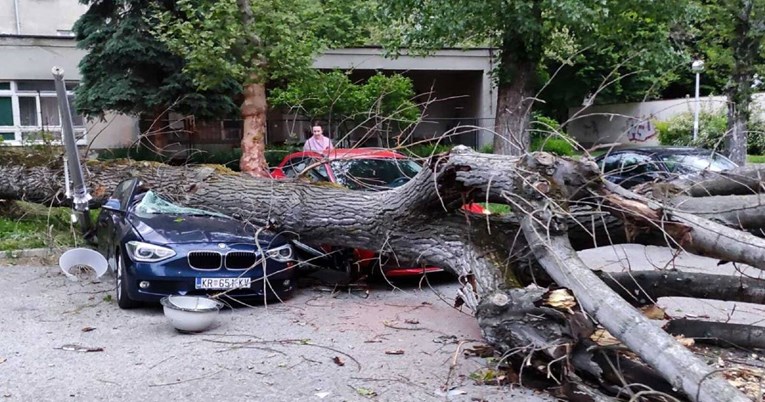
(205, 259)
(240, 259)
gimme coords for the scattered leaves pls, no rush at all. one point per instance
(88, 329)
(366, 392)
(654, 312)
(412, 321)
(394, 352)
(337, 360)
(747, 380)
(494, 377)
(604, 338)
(561, 299)
(108, 298)
(479, 351)
(687, 342)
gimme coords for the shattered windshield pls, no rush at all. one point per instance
(374, 174)
(153, 204)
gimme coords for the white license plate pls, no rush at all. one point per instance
(223, 283)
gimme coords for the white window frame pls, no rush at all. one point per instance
(18, 130)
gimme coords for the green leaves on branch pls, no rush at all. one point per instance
(128, 70)
(210, 35)
(333, 97)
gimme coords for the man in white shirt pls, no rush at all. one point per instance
(318, 142)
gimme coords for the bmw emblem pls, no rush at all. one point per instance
(221, 245)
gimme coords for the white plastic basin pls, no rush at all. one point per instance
(190, 313)
(79, 257)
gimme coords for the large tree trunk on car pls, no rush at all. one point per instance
(423, 220)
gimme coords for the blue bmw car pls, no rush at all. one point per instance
(156, 248)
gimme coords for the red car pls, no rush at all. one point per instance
(370, 169)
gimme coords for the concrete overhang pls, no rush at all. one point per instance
(373, 58)
(32, 57)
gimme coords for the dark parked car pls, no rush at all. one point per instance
(629, 167)
(156, 248)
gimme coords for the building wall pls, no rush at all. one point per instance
(39, 39)
(39, 17)
(463, 73)
(633, 123)
(31, 59)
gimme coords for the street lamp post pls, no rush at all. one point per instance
(697, 67)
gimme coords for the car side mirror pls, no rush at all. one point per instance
(112, 204)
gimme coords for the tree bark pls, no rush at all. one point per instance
(254, 107)
(514, 109)
(641, 288)
(719, 333)
(678, 365)
(747, 36)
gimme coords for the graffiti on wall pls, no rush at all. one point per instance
(640, 129)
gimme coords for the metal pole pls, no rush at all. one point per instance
(696, 112)
(79, 190)
(18, 20)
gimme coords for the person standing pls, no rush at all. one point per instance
(318, 142)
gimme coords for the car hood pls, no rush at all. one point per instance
(180, 229)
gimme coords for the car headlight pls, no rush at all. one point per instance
(281, 253)
(145, 252)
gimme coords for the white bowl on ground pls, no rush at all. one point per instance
(76, 258)
(190, 313)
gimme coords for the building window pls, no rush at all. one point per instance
(29, 111)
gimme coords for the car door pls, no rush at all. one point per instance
(111, 224)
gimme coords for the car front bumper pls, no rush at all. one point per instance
(161, 280)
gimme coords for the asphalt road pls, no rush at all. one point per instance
(317, 346)
(279, 352)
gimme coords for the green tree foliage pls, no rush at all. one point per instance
(528, 33)
(712, 128)
(734, 49)
(332, 96)
(211, 36)
(128, 70)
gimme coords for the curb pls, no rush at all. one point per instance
(27, 253)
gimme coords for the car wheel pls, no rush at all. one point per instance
(120, 281)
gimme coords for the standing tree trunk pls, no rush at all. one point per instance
(514, 107)
(520, 57)
(254, 107)
(746, 46)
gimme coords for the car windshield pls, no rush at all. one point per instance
(374, 174)
(153, 204)
(693, 163)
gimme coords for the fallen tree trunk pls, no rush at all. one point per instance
(719, 333)
(643, 288)
(545, 229)
(422, 220)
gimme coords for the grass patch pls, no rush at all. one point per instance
(25, 225)
(755, 158)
